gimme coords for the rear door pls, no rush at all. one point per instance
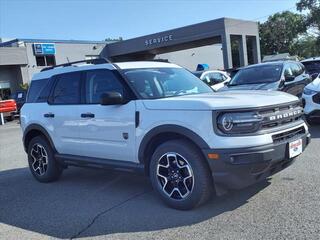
(106, 132)
(62, 115)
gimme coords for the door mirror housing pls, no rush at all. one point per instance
(314, 76)
(111, 98)
(289, 78)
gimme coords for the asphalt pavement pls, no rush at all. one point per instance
(100, 204)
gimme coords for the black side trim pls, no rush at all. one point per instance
(137, 118)
(100, 163)
(39, 128)
(170, 128)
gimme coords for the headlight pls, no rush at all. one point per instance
(307, 91)
(239, 122)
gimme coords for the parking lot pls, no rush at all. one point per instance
(87, 203)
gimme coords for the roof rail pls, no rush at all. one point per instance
(88, 61)
(160, 60)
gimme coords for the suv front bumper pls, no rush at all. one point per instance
(241, 167)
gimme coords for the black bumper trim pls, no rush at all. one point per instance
(240, 167)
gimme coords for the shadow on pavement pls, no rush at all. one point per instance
(91, 203)
(315, 130)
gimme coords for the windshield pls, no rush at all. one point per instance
(312, 66)
(154, 83)
(257, 74)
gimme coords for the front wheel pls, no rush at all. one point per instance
(180, 175)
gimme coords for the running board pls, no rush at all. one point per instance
(73, 160)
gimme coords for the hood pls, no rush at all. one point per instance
(314, 85)
(220, 100)
(259, 86)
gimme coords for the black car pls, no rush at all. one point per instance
(20, 98)
(312, 66)
(287, 76)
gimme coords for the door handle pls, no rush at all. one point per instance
(87, 115)
(48, 115)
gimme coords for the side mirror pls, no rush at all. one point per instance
(111, 98)
(314, 76)
(289, 78)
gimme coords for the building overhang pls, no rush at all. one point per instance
(13, 56)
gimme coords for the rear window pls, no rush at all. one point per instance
(67, 89)
(36, 92)
(312, 67)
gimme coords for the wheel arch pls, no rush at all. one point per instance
(34, 130)
(164, 133)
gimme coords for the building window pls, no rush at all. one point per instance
(41, 61)
(48, 60)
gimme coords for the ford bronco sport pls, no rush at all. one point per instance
(159, 119)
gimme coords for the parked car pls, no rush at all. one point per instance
(215, 79)
(8, 108)
(232, 71)
(312, 65)
(140, 116)
(286, 76)
(311, 100)
(20, 98)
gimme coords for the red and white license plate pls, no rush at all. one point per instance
(295, 148)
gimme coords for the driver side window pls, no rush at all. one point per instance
(288, 71)
(99, 82)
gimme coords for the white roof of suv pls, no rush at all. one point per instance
(311, 59)
(121, 65)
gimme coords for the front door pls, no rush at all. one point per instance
(106, 132)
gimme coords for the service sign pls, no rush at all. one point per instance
(158, 40)
(44, 48)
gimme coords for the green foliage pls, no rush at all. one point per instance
(24, 86)
(279, 32)
(114, 39)
(305, 47)
(313, 13)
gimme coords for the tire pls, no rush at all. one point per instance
(186, 170)
(10, 118)
(47, 169)
(311, 121)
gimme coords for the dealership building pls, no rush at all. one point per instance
(223, 43)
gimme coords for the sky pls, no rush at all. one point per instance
(101, 19)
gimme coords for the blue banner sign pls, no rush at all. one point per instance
(202, 67)
(44, 49)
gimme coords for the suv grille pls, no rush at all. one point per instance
(288, 135)
(278, 116)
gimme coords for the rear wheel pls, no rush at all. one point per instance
(42, 163)
(180, 175)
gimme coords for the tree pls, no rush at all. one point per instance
(305, 47)
(313, 14)
(279, 32)
(114, 39)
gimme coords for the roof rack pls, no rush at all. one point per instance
(160, 60)
(88, 61)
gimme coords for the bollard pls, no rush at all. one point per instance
(1, 119)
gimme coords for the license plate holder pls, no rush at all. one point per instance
(295, 148)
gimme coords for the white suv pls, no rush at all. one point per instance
(161, 120)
